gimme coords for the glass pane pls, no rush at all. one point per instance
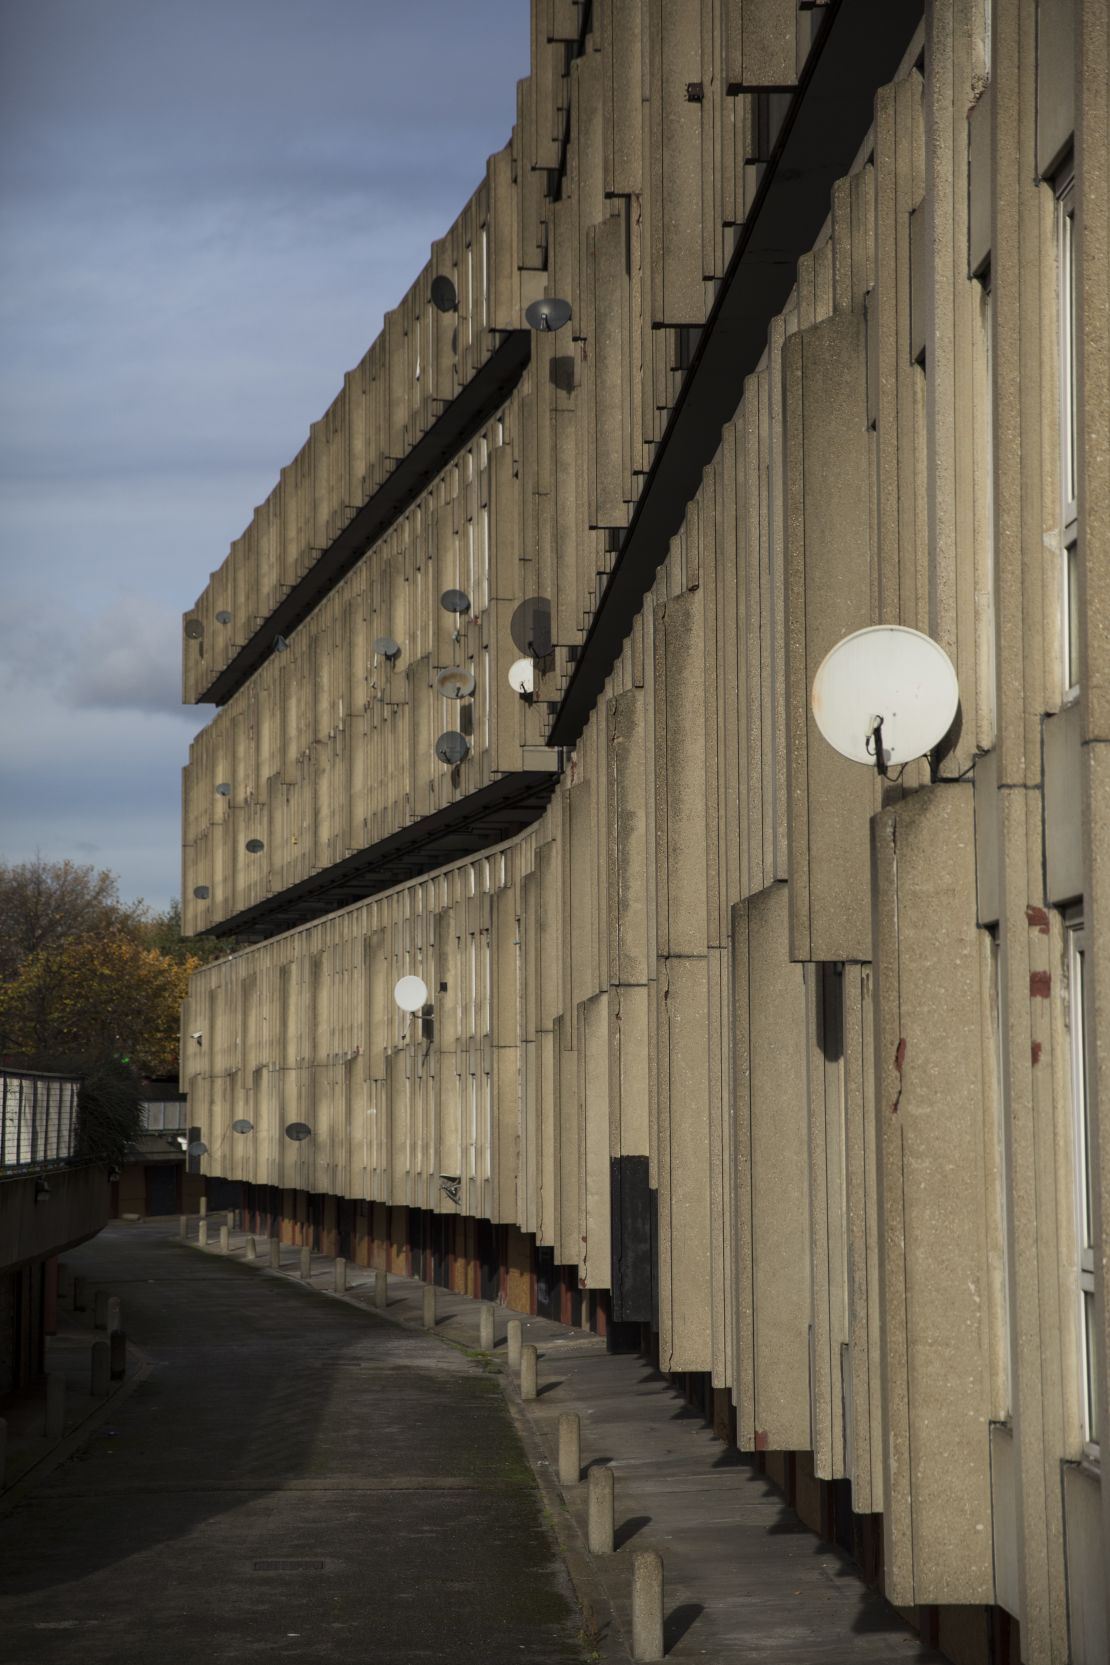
(1079, 1015)
(1093, 1418)
(1071, 586)
(1069, 350)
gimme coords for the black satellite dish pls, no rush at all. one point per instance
(550, 313)
(452, 747)
(455, 601)
(298, 1131)
(530, 627)
(444, 298)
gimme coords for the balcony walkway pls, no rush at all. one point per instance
(275, 1423)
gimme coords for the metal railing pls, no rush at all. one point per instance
(38, 1119)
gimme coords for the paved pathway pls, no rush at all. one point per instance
(746, 1582)
(295, 1479)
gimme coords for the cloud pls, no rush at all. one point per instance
(128, 659)
(204, 212)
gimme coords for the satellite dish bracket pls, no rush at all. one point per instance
(875, 734)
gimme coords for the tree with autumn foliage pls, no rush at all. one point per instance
(87, 978)
(96, 996)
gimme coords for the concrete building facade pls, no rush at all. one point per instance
(785, 1071)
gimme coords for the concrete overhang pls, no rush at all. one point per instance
(32, 1228)
(859, 47)
(466, 828)
(481, 398)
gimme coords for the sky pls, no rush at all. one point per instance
(205, 210)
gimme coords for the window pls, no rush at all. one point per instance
(1076, 1017)
(1002, 1169)
(1069, 516)
(984, 515)
(485, 275)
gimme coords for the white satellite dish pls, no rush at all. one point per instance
(885, 695)
(522, 676)
(410, 993)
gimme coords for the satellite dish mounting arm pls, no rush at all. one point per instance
(875, 737)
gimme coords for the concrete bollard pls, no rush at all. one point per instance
(306, 1262)
(117, 1346)
(275, 1254)
(340, 1276)
(202, 1233)
(54, 1418)
(231, 1219)
(647, 1605)
(100, 1309)
(570, 1449)
(486, 1335)
(529, 1359)
(114, 1319)
(599, 1513)
(203, 1208)
(381, 1289)
(514, 1335)
(182, 1225)
(100, 1369)
(251, 1252)
(80, 1295)
(65, 1281)
(225, 1240)
(429, 1306)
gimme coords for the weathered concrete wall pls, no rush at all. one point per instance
(829, 1013)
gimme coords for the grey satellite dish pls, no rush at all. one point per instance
(223, 788)
(885, 695)
(201, 892)
(198, 1148)
(387, 648)
(254, 845)
(452, 747)
(444, 298)
(298, 1131)
(280, 644)
(530, 627)
(242, 1126)
(223, 616)
(455, 683)
(455, 601)
(194, 629)
(548, 314)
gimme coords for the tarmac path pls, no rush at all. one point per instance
(295, 1479)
